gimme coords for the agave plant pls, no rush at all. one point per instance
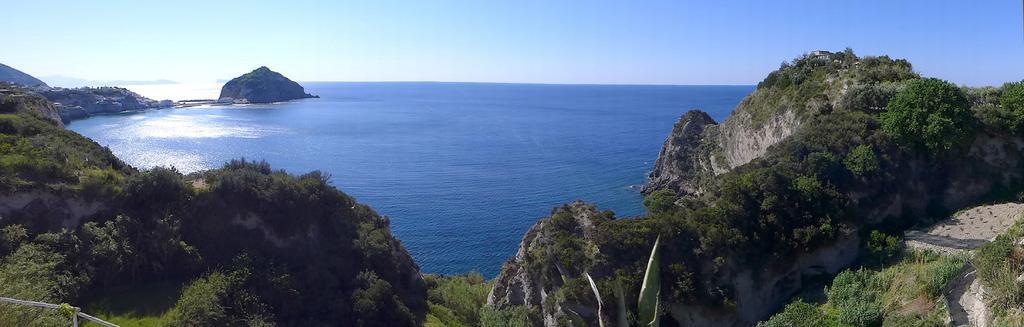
(650, 292)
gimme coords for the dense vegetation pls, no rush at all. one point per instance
(931, 113)
(905, 293)
(811, 190)
(249, 245)
(809, 85)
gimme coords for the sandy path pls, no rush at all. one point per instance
(967, 230)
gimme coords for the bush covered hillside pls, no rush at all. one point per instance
(243, 245)
(881, 149)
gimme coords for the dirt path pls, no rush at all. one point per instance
(967, 230)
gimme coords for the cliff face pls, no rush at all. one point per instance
(682, 164)
(536, 271)
(776, 110)
(263, 86)
(78, 103)
(14, 99)
(699, 149)
(722, 264)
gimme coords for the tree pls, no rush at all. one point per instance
(862, 160)
(882, 247)
(1012, 102)
(929, 113)
(661, 201)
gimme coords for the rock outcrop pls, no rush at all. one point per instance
(262, 86)
(13, 98)
(78, 103)
(680, 165)
(522, 281)
(769, 115)
(797, 116)
(699, 149)
(11, 75)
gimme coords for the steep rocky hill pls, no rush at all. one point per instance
(779, 196)
(263, 86)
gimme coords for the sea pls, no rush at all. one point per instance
(461, 169)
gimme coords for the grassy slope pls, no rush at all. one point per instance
(999, 265)
(139, 306)
(905, 293)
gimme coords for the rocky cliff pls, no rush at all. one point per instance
(262, 86)
(78, 103)
(679, 166)
(702, 149)
(772, 199)
(14, 98)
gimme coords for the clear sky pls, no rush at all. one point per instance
(544, 41)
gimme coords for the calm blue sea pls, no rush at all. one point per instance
(462, 169)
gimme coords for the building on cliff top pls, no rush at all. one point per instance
(820, 54)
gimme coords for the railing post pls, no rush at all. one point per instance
(74, 317)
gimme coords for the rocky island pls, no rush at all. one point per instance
(262, 86)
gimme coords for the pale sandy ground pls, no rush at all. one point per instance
(968, 229)
(964, 232)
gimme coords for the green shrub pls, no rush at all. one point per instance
(218, 299)
(801, 314)
(929, 113)
(660, 201)
(11, 237)
(999, 263)
(516, 316)
(101, 183)
(882, 247)
(461, 296)
(202, 303)
(159, 190)
(862, 161)
(1012, 102)
(376, 304)
(868, 97)
(855, 295)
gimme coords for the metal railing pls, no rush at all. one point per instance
(74, 318)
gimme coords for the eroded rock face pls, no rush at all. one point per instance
(681, 166)
(699, 149)
(521, 283)
(740, 142)
(78, 103)
(11, 102)
(263, 86)
(46, 210)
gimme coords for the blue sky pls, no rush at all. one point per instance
(548, 41)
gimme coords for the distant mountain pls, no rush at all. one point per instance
(65, 81)
(8, 74)
(263, 86)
